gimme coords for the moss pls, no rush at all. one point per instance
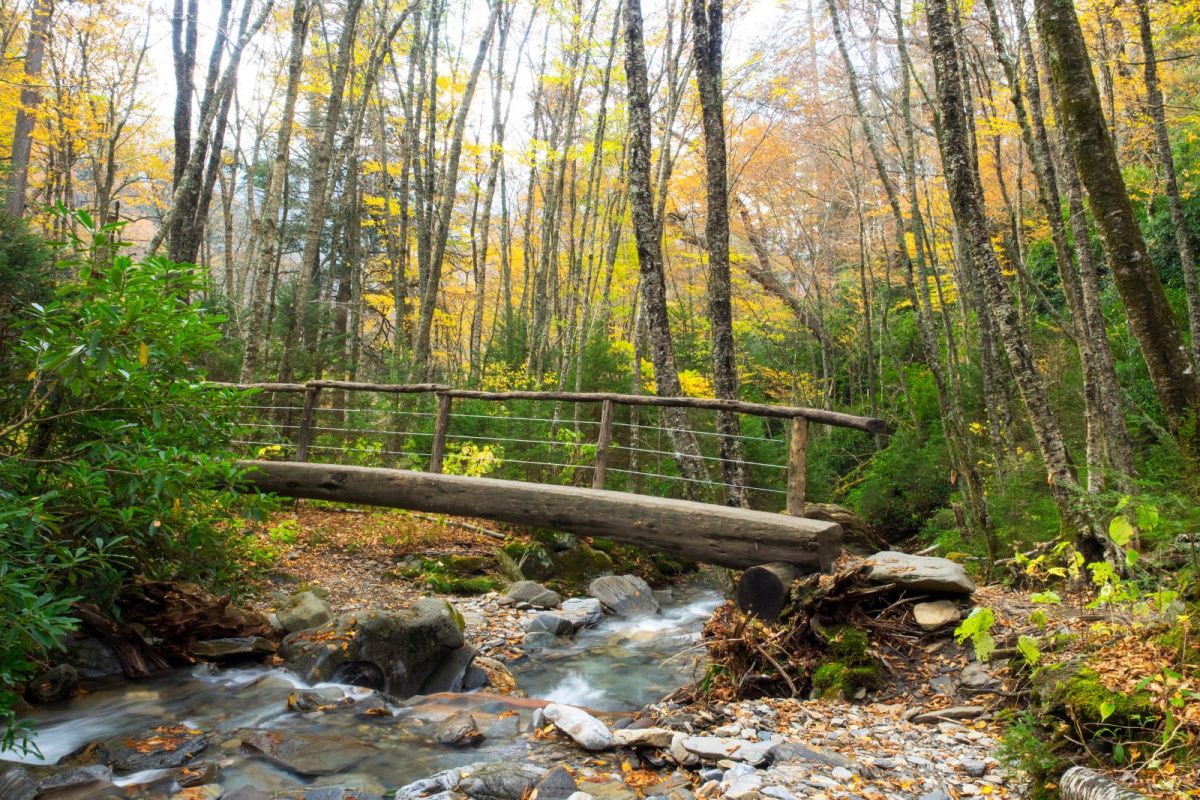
(469, 565)
(834, 679)
(577, 566)
(850, 645)
(446, 584)
(1086, 699)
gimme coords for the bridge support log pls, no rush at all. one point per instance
(728, 537)
(762, 591)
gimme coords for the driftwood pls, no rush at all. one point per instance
(727, 537)
(138, 658)
(181, 614)
(763, 590)
(1081, 783)
(858, 537)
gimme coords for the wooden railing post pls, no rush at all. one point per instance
(603, 441)
(304, 435)
(441, 424)
(797, 467)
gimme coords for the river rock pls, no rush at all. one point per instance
(72, 783)
(307, 755)
(936, 614)
(208, 791)
(715, 748)
(164, 747)
(340, 793)
(556, 785)
(552, 623)
(503, 780)
(303, 611)
(798, 751)
(52, 685)
(584, 729)
(458, 730)
(977, 676)
(391, 651)
(538, 639)
(91, 657)
(247, 793)
(233, 648)
(925, 573)
(449, 675)
(583, 612)
(500, 679)
(954, 712)
(742, 785)
(532, 593)
(643, 737)
(624, 595)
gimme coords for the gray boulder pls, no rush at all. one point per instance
(624, 595)
(555, 624)
(308, 755)
(450, 674)
(925, 573)
(303, 611)
(557, 785)
(500, 781)
(458, 730)
(583, 612)
(164, 747)
(533, 593)
(584, 729)
(391, 651)
(91, 657)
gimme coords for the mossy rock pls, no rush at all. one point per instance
(507, 565)
(469, 564)
(580, 564)
(849, 645)
(1075, 692)
(558, 541)
(834, 679)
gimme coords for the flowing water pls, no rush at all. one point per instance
(619, 666)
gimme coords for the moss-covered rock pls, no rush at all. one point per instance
(849, 644)
(579, 565)
(469, 564)
(1075, 692)
(835, 680)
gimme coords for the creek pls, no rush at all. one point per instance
(365, 741)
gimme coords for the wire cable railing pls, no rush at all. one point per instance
(601, 440)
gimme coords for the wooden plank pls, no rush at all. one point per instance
(603, 442)
(304, 435)
(730, 537)
(441, 425)
(797, 467)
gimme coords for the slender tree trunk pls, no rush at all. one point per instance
(1172, 372)
(31, 96)
(706, 42)
(1183, 239)
(269, 223)
(966, 201)
(649, 250)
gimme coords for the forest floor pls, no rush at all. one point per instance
(933, 730)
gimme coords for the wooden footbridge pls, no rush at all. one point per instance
(705, 532)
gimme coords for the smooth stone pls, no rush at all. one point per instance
(937, 614)
(308, 755)
(926, 573)
(303, 611)
(52, 685)
(584, 729)
(624, 595)
(554, 624)
(91, 657)
(583, 612)
(390, 651)
(247, 793)
(713, 748)
(977, 676)
(556, 785)
(533, 593)
(610, 790)
(233, 647)
(743, 786)
(538, 639)
(777, 792)
(208, 791)
(973, 767)
(164, 747)
(501, 781)
(340, 793)
(642, 737)
(841, 774)
(581, 796)
(450, 674)
(798, 751)
(458, 730)
(954, 712)
(78, 782)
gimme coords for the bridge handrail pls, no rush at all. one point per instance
(797, 450)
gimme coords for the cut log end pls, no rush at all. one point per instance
(762, 591)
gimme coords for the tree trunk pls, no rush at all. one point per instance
(1172, 372)
(966, 201)
(31, 95)
(706, 41)
(1183, 239)
(268, 222)
(649, 251)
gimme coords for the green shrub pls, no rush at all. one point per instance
(114, 454)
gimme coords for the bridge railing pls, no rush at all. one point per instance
(619, 441)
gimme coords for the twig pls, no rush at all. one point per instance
(778, 668)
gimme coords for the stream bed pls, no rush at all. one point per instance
(362, 740)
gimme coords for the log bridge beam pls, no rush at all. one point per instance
(729, 537)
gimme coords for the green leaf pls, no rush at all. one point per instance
(1147, 517)
(1120, 531)
(1028, 647)
(1106, 709)
(1131, 557)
